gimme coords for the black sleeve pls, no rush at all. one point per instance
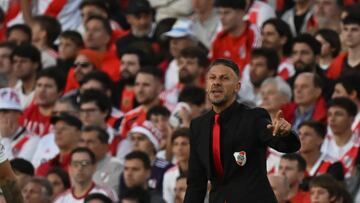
(286, 144)
(197, 180)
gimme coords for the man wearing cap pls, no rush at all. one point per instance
(67, 130)
(146, 138)
(237, 37)
(16, 139)
(181, 36)
(228, 144)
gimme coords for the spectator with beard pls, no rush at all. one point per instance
(192, 63)
(263, 64)
(131, 61)
(86, 61)
(305, 53)
(26, 63)
(276, 34)
(328, 14)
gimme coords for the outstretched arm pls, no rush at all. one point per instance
(278, 134)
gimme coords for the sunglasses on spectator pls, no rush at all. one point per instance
(82, 64)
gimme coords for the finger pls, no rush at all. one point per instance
(276, 128)
(270, 127)
(279, 115)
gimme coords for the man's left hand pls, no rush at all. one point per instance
(279, 125)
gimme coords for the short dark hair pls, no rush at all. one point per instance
(22, 27)
(310, 40)
(151, 70)
(74, 36)
(344, 103)
(56, 74)
(101, 77)
(47, 188)
(193, 95)
(29, 51)
(63, 175)
(283, 29)
(318, 127)
(105, 22)
(102, 134)
(97, 3)
(49, 24)
(158, 110)
(196, 52)
(23, 166)
(272, 58)
(350, 82)
(100, 99)
(138, 194)
(143, 59)
(142, 156)
(84, 150)
(330, 184)
(351, 18)
(235, 4)
(226, 62)
(97, 196)
(332, 38)
(296, 157)
(180, 132)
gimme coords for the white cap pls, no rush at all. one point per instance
(150, 131)
(9, 99)
(182, 28)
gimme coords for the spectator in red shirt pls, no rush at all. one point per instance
(308, 103)
(67, 135)
(293, 167)
(238, 37)
(49, 87)
(330, 47)
(147, 89)
(86, 61)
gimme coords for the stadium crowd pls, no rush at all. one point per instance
(97, 96)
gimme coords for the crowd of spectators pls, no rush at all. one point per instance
(97, 96)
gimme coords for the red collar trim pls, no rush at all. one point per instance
(86, 193)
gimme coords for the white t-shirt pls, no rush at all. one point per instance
(25, 99)
(68, 196)
(169, 183)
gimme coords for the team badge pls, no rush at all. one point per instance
(240, 158)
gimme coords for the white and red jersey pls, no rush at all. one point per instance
(169, 183)
(345, 154)
(171, 96)
(273, 160)
(35, 122)
(69, 197)
(237, 48)
(131, 118)
(45, 150)
(20, 145)
(286, 69)
(48, 58)
(356, 123)
(260, 12)
(321, 165)
(67, 12)
(25, 99)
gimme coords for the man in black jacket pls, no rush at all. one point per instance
(234, 162)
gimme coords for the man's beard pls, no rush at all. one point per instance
(304, 67)
(127, 78)
(186, 79)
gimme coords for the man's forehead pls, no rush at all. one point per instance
(221, 70)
